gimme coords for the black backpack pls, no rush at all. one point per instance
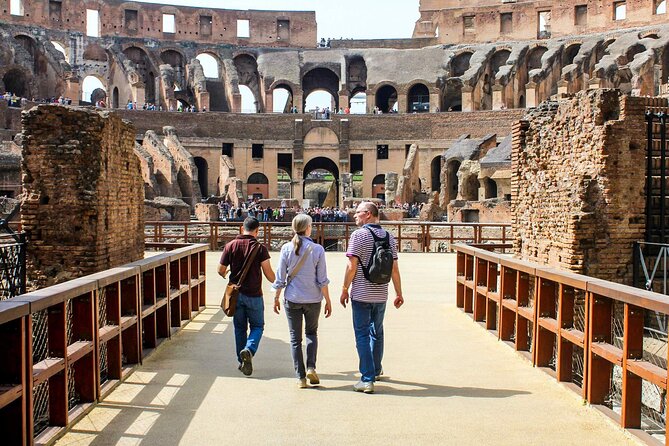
(380, 266)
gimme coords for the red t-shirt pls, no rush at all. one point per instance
(234, 255)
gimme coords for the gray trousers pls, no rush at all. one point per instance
(295, 313)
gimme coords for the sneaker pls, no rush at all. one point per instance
(366, 387)
(313, 377)
(302, 383)
(378, 376)
(247, 364)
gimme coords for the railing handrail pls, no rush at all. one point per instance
(42, 298)
(649, 300)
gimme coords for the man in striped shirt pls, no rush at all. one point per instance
(368, 300)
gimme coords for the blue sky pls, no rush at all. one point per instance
(356, 19)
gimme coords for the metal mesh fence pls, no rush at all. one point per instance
(103, 320)
(618, 324)
(41, 407)
(579, 310)
(104, 373)
(552, 364)
(530, 336)
(615, 396)
(530, 291)
(577, 366)
(12, 267)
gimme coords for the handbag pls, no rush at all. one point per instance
(229, 301)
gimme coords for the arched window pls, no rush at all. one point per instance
(209, 65)
(249, 104)
(90, 85)
(419, 99)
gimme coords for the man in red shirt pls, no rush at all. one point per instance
(250, 312)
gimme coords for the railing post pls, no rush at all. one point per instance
(632, 349)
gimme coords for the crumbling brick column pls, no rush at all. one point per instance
(578, 183)
(83, 203)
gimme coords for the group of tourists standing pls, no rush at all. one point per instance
(302, 277)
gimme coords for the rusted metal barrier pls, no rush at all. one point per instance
(410, 236)
(595, 336)
(65, 347)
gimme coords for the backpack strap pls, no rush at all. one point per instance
(377, 238)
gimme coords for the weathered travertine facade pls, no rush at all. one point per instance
(82, 208)
(578, 180)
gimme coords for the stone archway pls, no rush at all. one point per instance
(202, 175)
(257, 185)
(386, 98)
(435, 170)
(321, 163)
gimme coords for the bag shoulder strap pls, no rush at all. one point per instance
(297, 268)
(247, 263)
(377, 238)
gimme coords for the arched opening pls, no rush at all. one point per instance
(151, 88)
(460, 64)
(633, 51)
(115, 100)
(418, 99)
(356, 79)
(209, 65)
(435, 170)
(452, 96)
(570, 54)
(90, 85)
(661, 7)
(183, 104)
(490, 188)
(601, 51)
(379, 187)
(322, 79)
(16, 82)
(521, 101)
(247, 73)
(359, 103)
(283, 183)
(202, 175)
(470, 190)
(321, 182)
(386, 98)
(320, 100)
(357, 183)
(498, 60)
(60, 48)
(257, 186)
(452, 178)
(534, 58)
(283, 99)
(249, 103)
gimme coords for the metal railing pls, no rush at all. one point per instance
(410, 236)
(599, 338)
(65, 347)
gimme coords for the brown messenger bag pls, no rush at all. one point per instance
(229, 301)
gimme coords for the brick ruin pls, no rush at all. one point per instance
(578, 183)
(82, 208)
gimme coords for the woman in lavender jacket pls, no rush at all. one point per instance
(303, 296)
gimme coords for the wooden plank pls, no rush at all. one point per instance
(526, 313)
(649, 372)
(627, 294)
(11, 310)
(107, 332)
(127, 322)
(632, 350)
(9, 394)
(45, 369)
(574, 336)
(549, 324)
(611, 353)
(78, 350)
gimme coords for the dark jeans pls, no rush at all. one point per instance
(250, 313)
(295, 313)
(368, 327)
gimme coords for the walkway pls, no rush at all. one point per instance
(448, 382)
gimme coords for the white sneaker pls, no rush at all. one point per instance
(302, 383)
(366, 387)
(313, 377)
(379, 376)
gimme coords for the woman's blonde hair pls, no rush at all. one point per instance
(300, 224)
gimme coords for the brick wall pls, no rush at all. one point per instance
(83, 193)
(578, 173)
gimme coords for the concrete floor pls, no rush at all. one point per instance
(447, 382)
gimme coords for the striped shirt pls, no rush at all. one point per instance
(361, 245)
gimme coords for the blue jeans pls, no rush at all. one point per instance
(368, 328)
(250, 312)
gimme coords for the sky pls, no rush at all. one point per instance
(353, 19)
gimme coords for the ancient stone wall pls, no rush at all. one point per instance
(131, 19)
(82, 206)
(458, 21)
(578, 173)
